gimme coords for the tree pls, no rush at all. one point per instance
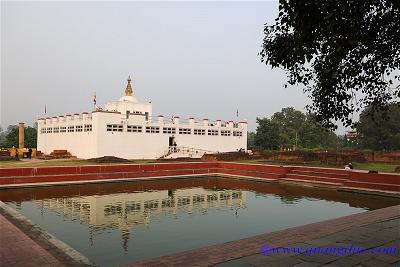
(30, 137)
(345, 53)
(292, 127)
(289, 123)
(11, 137)
(267, 134)
(250, 139)
(2, 136)
(315, 135)
(379, 132)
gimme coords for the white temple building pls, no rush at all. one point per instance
(127, 129)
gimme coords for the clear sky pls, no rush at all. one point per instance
(188, 58)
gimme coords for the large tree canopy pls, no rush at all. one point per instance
(346, 53)
(379, 132)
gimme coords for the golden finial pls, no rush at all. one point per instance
(128, 90)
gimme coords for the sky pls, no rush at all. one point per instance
(190, 59)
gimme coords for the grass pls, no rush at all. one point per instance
(380, 167)
(62, 162)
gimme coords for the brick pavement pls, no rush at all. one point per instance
(368, 229)
(380, 234)
(17, 249)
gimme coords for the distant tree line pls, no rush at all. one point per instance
(9, 137)
(289, 127)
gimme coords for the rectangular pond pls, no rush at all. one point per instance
(125, 222)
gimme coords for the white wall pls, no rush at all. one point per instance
(79, 144)
(134, 145)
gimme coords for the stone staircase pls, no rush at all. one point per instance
(183, 152)
(343, 179)
(329, 177)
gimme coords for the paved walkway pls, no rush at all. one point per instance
(381, 234)
(17, 249)
(368, 229)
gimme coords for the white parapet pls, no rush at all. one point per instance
(85, 116)
(68, 118)
(160, 119)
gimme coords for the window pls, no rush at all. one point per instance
(71, 129)
(236, 125)
(115, 127)
(224, 196)
(78, 128)
(198, 198)
(236, 195)
(49, 130)
(199, 132)
(212, 197)
(237, 133)
(63, 129)
(43, 130)
(169, 130)
(183, 201)
(152, 129)
(212, 132)
(185, 131)
(87, 128)
(134, 129)
(151, 204)
(168, 203)
(132, 206)
(56, 129)
(225, 133)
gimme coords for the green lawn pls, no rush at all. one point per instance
(380, 167)
(62, 162)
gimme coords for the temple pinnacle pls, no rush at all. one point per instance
(128, 90)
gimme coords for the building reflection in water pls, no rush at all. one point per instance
(124, 210)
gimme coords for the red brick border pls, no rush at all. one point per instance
(338, 178)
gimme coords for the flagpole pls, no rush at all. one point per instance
(94, 101)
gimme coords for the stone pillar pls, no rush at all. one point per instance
(21, 135)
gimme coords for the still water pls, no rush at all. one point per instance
(120, 223)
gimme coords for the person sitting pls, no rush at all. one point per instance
(349, 166)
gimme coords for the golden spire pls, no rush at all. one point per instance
(128, 90)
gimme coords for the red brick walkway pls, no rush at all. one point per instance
(220, 253)
(17, 249)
